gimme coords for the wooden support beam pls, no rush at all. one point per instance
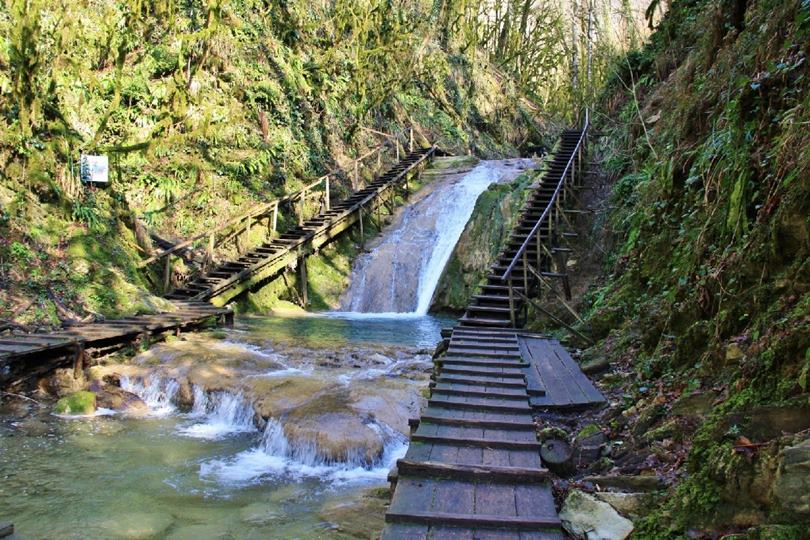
(302, 269)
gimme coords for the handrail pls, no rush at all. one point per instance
(508, 273)
(262, 208)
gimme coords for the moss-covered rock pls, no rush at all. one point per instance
(78, 403)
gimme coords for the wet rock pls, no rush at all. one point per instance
(584, 516)
(62, 383)
(632, 483)
(792, 486)
(260, 513)
(358, 516)
(117, 399)
(336, 436)
(137, 525)
(77, 403)
(276, 396)
(184, 399)
(213, 531)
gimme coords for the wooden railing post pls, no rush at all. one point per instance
(275, 218)
(328, 194)
(512, 318)
(301, 208)
(167, 274)
(525, 272)
(210, 254)
(356, 174)
(537, 241)
(302, 268)
(410, 140)
(362, 233)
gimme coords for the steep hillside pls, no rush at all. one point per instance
(705, 312)
(203, 109)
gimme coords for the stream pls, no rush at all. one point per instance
(280, 427)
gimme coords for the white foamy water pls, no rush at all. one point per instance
(276, 456)
(219, 414)
(157, 392)
(399, 276)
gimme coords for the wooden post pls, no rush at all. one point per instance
(328, 197)
(525, 272)
(78, 361)
(167, 273)
(362, 233)
(537, 241)
(356, 174)
(511, 304)
(410, 140)
(396, 143)
(301, 210)
(302, 268)
(275, 218)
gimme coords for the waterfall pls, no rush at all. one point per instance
(218, 414)
(157, 392)
(213, 415)
(401, 273)
(276, 455)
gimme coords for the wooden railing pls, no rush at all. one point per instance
(243, 223)
(553, 213)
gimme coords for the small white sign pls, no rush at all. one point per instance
(95, 169)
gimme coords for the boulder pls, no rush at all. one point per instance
(137, 525)
(76, 403)
(63, 383)
(335, 436)
(586, 517)
(117, 399)
(792, 486)
(631, 505)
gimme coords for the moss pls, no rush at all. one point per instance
(76, 404)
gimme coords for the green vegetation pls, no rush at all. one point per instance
(706, 134)
(76, 403)
(205, 108)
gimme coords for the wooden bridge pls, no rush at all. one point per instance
(473, 468)
(24, 355)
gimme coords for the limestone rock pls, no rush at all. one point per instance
(117, 399)
(734, 352)
(792, 487)
(631, 505)
(586, 517)
(138, 525)
(63, 383)
(336, 436)
(76, 403)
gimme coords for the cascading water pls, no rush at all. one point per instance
(275, 455)
(220, 414)
(401, 273)
(157, 392)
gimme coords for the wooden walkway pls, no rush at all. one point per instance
(473, 468)
(25, 355)
(232, 278)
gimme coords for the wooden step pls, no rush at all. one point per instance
(457, 389)
(472, 520)
(480, 443)
(473, 422)
(482, 473)
(483, 404)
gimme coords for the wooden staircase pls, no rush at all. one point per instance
(492, 306)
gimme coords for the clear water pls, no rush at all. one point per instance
(210, 472)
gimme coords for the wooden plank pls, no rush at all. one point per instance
(483, 443)
(405, 531)
(453, 496)
(472, 473)
(495, 499)
(526, 425)
(472, 520)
